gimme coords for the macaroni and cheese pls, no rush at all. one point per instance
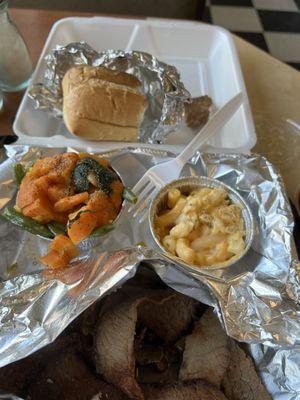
(202, 228)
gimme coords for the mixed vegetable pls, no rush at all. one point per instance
(68, 197)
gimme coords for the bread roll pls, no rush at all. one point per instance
(82, 73)
(102, 104)
(95, 130)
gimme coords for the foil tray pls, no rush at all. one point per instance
(257, 301)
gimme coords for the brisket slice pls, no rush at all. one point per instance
(241, 381)
(197, 111)
(165, 312)
(169, 318)
(66, 377)
(184, 391)
(114, 345)
(206, 354)
(16, 376)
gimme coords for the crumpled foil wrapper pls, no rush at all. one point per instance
(257, 300)
(160, 83)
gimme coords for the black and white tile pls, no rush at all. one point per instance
(272, 25)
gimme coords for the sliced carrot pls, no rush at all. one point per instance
(55, 260)
(62, 169)
(56, 192)
(40, 210)
(28, 192)
(44, 173)
(42, 183)
(105, 217)
(61, 252)
(98, 201)
(103, 162)
(63, 244)
(73, 251)
(68, 203)
(56, 179)
(99, 211)
(116, 194)
(66, 165)
(42, 196)
(102, 207)
(82, 227)
(45, 165)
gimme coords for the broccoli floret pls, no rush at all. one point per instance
(104, 176)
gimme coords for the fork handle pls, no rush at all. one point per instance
(218, 120)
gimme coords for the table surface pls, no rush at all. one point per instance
(273, 88)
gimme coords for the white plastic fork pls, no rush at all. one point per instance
(159, 175)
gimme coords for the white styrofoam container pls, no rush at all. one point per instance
(205, 56)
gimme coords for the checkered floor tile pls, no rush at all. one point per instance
(272, 25)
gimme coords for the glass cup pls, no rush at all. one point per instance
(15, 62)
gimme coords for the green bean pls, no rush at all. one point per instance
(26, 223)
(57, 228)
(12, 269)
(104, 177)
(129, 196)
(102, 230)
(141, 244)
(19, 173)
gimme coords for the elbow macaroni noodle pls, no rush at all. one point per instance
(203, 228)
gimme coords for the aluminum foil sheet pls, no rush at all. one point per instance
(257, 299)
(160, 83)
(279, 370)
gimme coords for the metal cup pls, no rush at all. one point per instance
(186, 185)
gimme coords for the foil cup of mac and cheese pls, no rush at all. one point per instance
(202, 223)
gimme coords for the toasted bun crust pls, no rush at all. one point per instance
(82, 73)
